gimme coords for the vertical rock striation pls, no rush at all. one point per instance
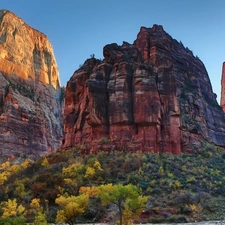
(222, 99)
(152, 95)
(30, 93)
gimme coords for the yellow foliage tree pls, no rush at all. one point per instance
(45, 162)
(175, 185)
(74, 177)
(71, 208)
(3, 177)
(25, 164)
(93, 170)
(38, 211)
(15, 168)
(12, 209)
(4, 172)
(90, 191)
(90, 172)
(35, 205)
(5, 166)
(78, 175)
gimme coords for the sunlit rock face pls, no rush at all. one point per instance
(30, 93)
(153, 96)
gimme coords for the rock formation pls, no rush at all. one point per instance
(30, 93)
(153, 95)
(222, 99)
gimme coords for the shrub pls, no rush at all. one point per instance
(104, 140)
(12, 221)
(157, 220)
(177, 219)
(57, 158)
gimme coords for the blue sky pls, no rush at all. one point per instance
(79, 28)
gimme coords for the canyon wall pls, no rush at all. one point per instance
(30, 93)
(222, 98)
(153, 95)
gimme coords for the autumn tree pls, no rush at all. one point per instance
(77, 175)
(126, 197)
(3, 177)
(71, 208)
(93, 170)
(4, 172)
(90, 191)
(45, 162)
(197, 211)
(38, 211)
(74, 177)
(20, 188)
(12, 209)
(25, 164)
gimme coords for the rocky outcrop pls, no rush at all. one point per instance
(153, 95)
(30, 93)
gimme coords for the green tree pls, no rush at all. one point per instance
(20, 188)
(126, 197)
(71, 208)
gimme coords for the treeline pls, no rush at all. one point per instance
(67, 186)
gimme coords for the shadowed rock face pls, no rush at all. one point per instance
(30, 104)
(152, 95)
(222, 100)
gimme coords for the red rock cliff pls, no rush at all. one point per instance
(222, 100)
(152, 95)
(30, 107)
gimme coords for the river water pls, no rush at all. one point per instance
(196, 223)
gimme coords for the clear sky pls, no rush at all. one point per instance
(79, 28)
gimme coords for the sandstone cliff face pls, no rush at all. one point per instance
(152, 95)
(222, 99)
(30, 104)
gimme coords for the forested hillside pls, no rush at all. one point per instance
(186, 187)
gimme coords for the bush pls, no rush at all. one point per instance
(157, 220)
(57, 158)
(12, 221)
(172, 219)
(177, 219)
